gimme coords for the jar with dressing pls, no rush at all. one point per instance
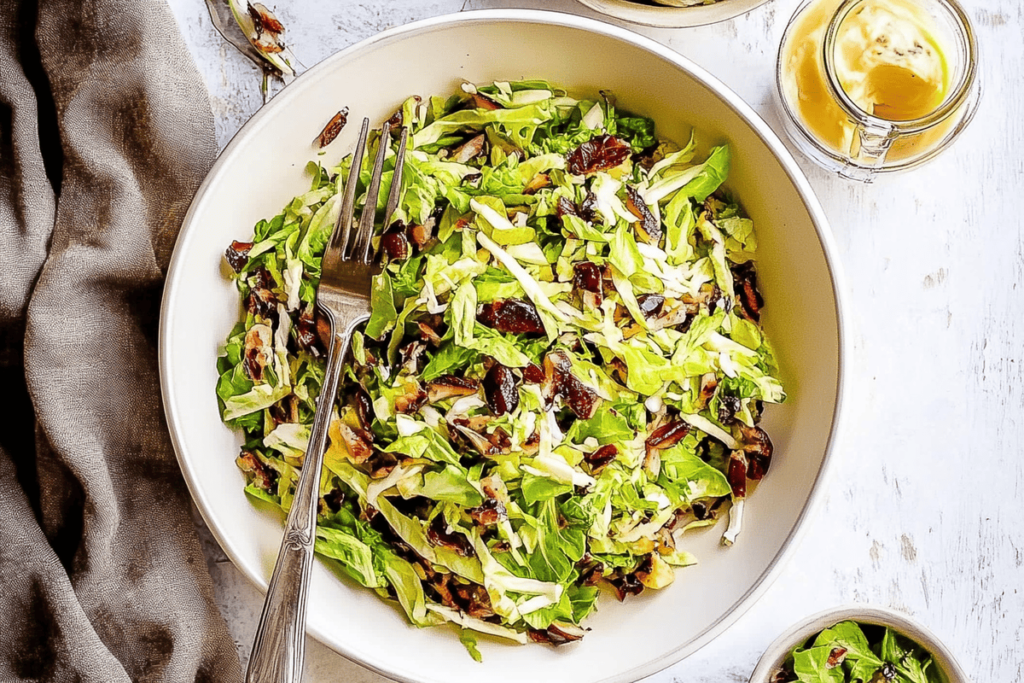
(870, 86)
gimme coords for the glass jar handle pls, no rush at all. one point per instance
(867, 155)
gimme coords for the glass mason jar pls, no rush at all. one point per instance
(823, 119)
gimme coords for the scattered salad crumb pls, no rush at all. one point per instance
(563, 374)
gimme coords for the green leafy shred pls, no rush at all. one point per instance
(849, 652)
(562, 376)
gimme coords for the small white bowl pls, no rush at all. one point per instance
(673, 17)
(777, 652)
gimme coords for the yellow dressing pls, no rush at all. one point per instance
(898, 94)
(886, 60)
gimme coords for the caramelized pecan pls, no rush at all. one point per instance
(450, 386)
(333, 127)
(648, 228)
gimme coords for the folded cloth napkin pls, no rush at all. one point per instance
(105, 133)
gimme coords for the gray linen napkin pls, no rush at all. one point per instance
(105, 133)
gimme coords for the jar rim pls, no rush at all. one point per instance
(961, 92)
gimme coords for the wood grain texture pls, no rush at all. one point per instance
(923, 511)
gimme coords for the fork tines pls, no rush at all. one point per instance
(358, 247)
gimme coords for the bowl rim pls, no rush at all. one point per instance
(866, 613)
(673, 17)
(177, 271)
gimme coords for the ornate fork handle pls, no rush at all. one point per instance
(343, 295)
(277, 653)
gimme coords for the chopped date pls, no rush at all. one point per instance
(566, 207)
(737, 474)
(598, 154)
(501, 390)
(728, 406)
(306, 336)
(472, 598)
(533, 374)
(395, 121)
(667, 435)
(651, 304)
(380, 464)
(261, 302)
(601, 457)
(323, 333)
(438, 534)
(560, 382)
(412, 354)
(511, 315)
(364, 407)
(587, 277)
(744, 278)
(626, 585)
(262, 279)
(285, 410)
(334, 498)
(759, 449)
(588, 210)
(237, 255)
(835, 657)
(395, 245)
(481, 101)
(552, 636)
(333, 128)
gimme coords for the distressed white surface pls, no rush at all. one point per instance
(922, 513)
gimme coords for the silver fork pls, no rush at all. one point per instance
(344, 297)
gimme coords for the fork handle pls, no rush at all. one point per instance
(279, 647)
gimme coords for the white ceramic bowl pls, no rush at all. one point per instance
(673, 17)
(262, 169)
(776, 654)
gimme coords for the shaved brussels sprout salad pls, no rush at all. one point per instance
(563, 374)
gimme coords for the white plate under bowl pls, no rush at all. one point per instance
(262, 169)
(673, 17)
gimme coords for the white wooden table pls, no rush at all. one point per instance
(924, 512)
